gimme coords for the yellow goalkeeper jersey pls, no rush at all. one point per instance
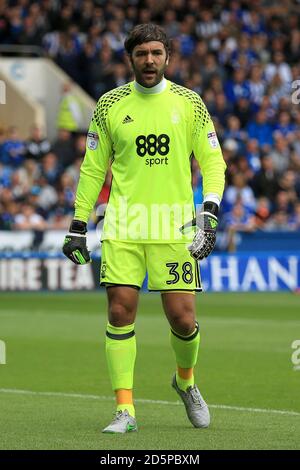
(149, 140)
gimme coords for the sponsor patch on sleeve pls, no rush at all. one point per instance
(213, 140)
(92, 140)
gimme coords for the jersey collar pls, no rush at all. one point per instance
(161, 86)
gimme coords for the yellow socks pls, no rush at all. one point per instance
(186, 352)
(120, 356)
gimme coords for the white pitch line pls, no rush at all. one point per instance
(144, 400)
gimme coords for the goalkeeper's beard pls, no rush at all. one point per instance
(157, 78)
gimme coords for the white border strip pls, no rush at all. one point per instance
(142, 400)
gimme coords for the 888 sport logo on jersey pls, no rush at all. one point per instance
(154, 148)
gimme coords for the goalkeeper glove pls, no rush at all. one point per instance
(205, 238)
(74, 246)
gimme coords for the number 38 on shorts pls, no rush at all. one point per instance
(169, 266)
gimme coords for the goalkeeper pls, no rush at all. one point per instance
(148, 130)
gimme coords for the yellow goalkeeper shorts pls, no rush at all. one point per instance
(169, 266)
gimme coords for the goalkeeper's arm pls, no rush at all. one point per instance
(92, 175)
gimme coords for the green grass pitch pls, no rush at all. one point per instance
(55, 392)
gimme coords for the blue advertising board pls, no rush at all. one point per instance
(241, 272)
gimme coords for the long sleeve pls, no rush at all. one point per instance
(94, 166)
(207, 151)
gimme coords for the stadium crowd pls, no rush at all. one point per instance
(242, 57)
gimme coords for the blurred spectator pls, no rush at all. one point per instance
(289, 182)
(262, 212)
(119, 75)
(74, 170)
(13, 149)
(237, 87)
(261, 130)
(67, 187)
(101, 71)
(186, 38)
(244, 50)
(115, 37)
(64, 148)
(294, 221)
(51, 168)
(19, 186)
(253, 23)
(79, 146)
(234, 132)
(280, 154)
(277, 90)
(2, 140)
(242, 58)
(280, 67)
(43, 195)
(30, 172)
(31, 33)
(253, 155)
(207, 27)
(67, 55)
(284, 125)
(257, 85)
(221, 109)
(210, 69)
(243, 111)
(243, 167)
(279, 222)
(5, 176)
(283, 203)
(28, 219)
(239, 190)
(61, 214)
(265, 182)
(238, 219)
(69, 115)
(36, 145)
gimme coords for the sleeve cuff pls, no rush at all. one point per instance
(212, 197)
(82, 214)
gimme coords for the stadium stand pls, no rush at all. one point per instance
(242, 57)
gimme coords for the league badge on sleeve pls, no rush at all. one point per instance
(213, 140)
(92, 140)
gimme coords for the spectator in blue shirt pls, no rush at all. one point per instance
(253, 155)
(243, 49)
(284, 125)
(186, 39)
(13, 149)
(253, 23)
(238, 87)
(261, 130)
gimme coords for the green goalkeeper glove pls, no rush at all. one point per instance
(205, 238)
(74, 246)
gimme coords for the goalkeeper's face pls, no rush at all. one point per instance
(149, 61)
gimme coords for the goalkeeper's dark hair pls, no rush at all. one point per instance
(146, 32)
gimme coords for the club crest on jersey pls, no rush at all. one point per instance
(213, 140)
(103, 269)
(92, 140)
(175, 117)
